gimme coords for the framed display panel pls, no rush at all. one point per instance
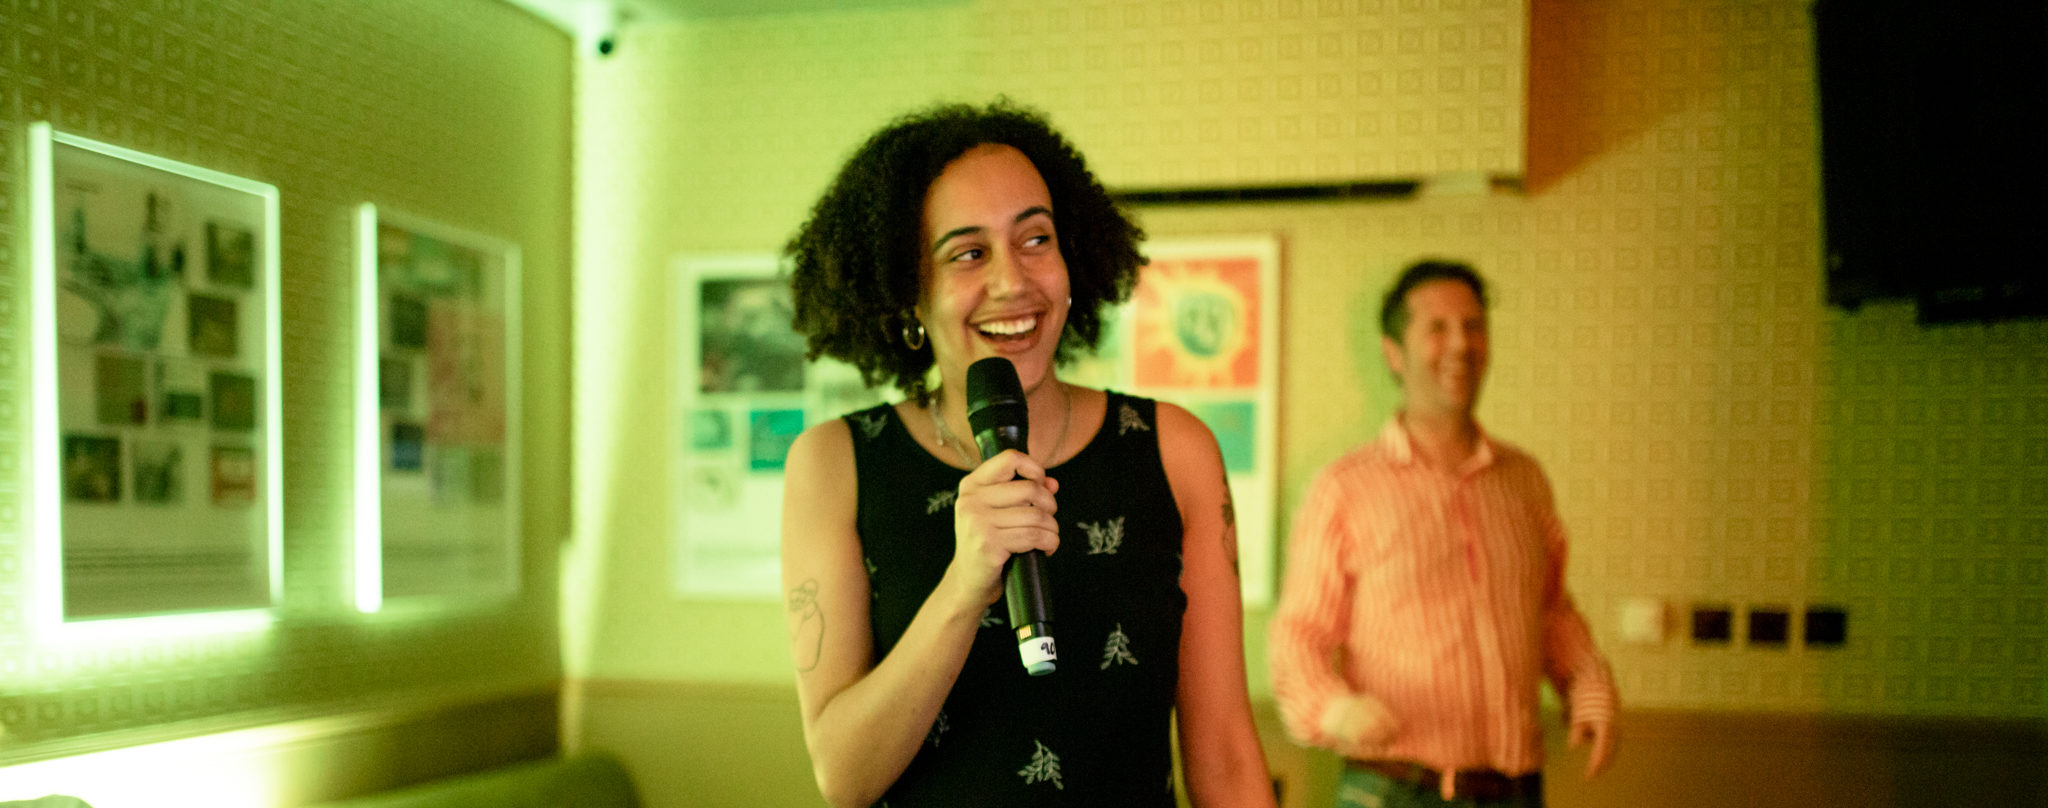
(155, 369)
(743, 394)
(437, 414)
(1201, 330)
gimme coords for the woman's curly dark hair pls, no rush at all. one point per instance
(854, 262)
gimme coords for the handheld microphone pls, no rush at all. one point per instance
(997, 413)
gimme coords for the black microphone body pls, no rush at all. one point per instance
(997, 413)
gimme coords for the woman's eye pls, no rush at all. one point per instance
(967, 255)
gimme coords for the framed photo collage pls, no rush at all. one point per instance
(156, 418)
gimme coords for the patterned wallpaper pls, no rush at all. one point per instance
(1716, 435)
(457, 111)
(1206, 93)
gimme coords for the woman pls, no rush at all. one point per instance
(952, 235)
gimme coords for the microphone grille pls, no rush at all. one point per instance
(992, 384)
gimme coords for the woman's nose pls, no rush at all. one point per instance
(1005, 275)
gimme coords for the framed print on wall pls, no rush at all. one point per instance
(1201, 330)
(155, 365)
(437, 413)
(743, 394)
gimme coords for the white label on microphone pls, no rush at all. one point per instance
(1036, 650)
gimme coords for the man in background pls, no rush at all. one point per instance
(1424, 600)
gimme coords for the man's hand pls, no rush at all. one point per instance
(1358, 719)
(1601, 734)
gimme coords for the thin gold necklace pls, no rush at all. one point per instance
(945, 435)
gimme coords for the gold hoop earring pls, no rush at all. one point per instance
(918, 342)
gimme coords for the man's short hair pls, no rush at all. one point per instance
(1394, 309)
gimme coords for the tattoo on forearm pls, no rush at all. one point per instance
(1230, 530)
(807, 639)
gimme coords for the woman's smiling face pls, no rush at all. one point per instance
(993, 282)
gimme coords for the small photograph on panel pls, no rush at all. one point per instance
(408, 447)
(394, 383)
(159, 472)
(1235, 425)
(429, 265)
(746, 340)
(108, 293)
(213, 325)
(234, 475)
(92, 468)
(710, 429)
(182, 385)
(408, 321)
(230, 255)
(770, 434)
(234, 400)
(120, 389)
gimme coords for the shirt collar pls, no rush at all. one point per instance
(1402, 447)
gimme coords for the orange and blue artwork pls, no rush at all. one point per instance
(1196, 323)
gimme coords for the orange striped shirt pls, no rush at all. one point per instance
(1441, 595)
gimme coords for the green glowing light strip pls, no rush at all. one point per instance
(368, 569)
(47, 555)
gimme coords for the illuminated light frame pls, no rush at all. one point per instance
(367, 582)
(46, 494)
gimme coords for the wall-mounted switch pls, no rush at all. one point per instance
(1643, 621)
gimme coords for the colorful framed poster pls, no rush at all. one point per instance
(743, 394)
(156, 415)
(1202, 330)
(437, 414)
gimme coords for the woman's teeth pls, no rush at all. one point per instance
(1008, 328)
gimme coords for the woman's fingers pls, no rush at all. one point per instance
(1005, 506)
(1012, 494)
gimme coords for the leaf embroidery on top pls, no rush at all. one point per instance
(871, 425)
(1104, 537)
(989, 617)
(1118, 650)
(1127, 419)
(1045, 767)
(939, 728)
(940, 501)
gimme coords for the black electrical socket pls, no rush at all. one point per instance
(1712, 624)
(1827, 626)
(1769, 626)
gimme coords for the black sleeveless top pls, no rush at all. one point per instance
(1093, 732)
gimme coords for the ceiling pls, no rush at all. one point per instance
(590, 21)
(678, 9)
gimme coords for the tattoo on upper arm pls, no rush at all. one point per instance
(1230, 529)
(807, 638)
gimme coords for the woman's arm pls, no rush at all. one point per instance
(1221, 761)
(863, 722)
